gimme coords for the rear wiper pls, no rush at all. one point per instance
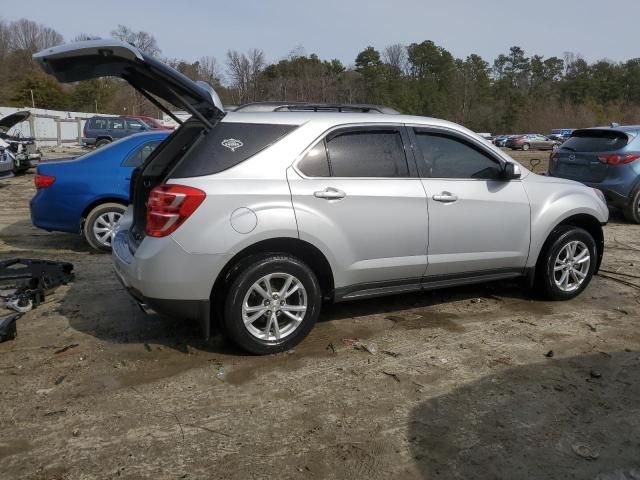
(567, 148)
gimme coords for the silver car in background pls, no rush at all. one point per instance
(253, 219)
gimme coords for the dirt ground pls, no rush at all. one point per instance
(462, 384)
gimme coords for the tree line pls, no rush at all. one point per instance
(513, 93)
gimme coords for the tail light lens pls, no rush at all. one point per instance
(169, 206)
(43, 181)
(615, 159)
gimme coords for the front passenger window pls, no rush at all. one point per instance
(445, 156)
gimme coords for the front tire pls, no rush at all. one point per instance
(567, 264)
(632, 210)
(101, 225)
(525, 147)
(271, 304)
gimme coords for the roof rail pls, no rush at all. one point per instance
(314, 107)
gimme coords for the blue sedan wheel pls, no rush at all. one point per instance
(102, 224)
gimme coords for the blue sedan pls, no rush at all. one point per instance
(89, 194)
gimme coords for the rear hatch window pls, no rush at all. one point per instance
(227, 145)
(595, 141)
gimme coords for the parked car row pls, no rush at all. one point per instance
(530, 141)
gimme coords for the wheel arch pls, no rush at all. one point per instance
(96, 203)
(581, 220)
(305, 251)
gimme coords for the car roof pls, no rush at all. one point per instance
(335, 118)
(150, 135)
(633, 130)
(628, 128)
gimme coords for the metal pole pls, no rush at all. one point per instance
(33, 103)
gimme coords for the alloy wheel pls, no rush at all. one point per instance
(105, 227)
(274, 306)
(571, 266)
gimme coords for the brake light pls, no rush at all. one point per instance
(169, 206)
(615, 159)
(43, 181)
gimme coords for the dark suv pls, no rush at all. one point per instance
(607, 159)
(99, 131)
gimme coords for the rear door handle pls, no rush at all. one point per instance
(445, 197)
(330, 193)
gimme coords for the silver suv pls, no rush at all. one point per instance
(253, 219)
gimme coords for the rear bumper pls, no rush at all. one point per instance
(190, 310)
(162, 276)
(616, 194)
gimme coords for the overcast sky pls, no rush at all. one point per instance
(339, 29)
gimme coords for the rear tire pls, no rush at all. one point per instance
(525, 147)
(101, 224)
(632, 210)
(264, 318)
(102, 142)
(567, 263)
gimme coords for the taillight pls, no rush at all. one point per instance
(43, 181)
(169, 206)
(615, 159)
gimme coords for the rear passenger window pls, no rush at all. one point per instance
(367, 153)
(99, 123)
(445, 156)
(227, 145)
(315, 162)
(138, 157)
(116, 124)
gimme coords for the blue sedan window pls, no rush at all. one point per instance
(140, 154)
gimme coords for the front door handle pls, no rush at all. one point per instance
(445, 197)
(330, 193)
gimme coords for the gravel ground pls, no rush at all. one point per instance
(462, 384)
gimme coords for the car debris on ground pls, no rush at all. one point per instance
(23, 284)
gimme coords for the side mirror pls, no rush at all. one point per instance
(511, 171)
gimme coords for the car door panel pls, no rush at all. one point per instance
(486, 228)
(375, 229)
(475, 224)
